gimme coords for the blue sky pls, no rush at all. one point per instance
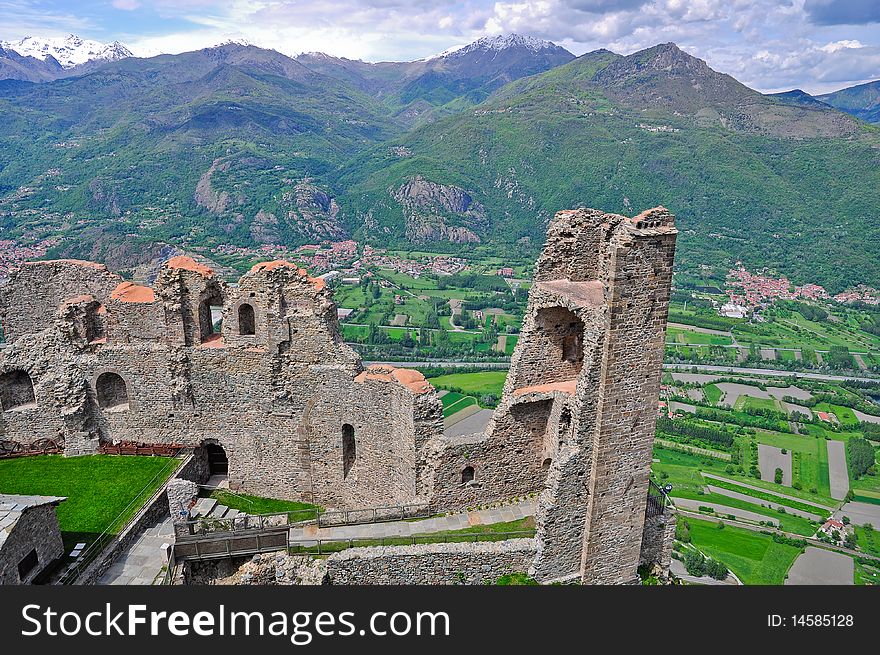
(816, 45)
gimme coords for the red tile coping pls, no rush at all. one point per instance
(408, 377)
(131, 292)
(213, 341)
(566, 386)
(185, 263)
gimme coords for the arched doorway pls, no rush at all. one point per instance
(16, 390)
(111, 391)
(218, 462)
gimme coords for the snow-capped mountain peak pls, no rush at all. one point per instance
(499, 43)
(69, 51)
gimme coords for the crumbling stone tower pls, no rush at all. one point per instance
(589, 360)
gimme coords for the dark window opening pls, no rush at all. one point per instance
(16, 390)
(467, 474)
(572, 348)
(27, 564)
(247, 323)
(218, 462)
(564, 421)
(95, 324)
(547, 463)
(349, 449)
(111, 391)
(210, 315)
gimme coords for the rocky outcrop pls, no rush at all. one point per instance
(312, 212)
(264, 228)
(428, 208)
(205, 196)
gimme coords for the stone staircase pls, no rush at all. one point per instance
(208, 508)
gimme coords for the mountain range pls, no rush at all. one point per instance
(36, 59)
(472, 150)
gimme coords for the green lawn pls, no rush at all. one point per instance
(680, 335)
(99, 488)
(755, 558)
(258, 504)
(482, 382)
(712, 394)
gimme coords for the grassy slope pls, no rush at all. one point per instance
(98, 487)
(258, 504)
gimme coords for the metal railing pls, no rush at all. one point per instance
(229, 545)
(314, 516)
(658, 500)
(119, 525)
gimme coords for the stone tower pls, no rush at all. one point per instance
(586, 372)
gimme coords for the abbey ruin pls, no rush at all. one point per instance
(276, 397)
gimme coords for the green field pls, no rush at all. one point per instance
(456, 405)
(755, 558)
(480, 383)
(102, 491)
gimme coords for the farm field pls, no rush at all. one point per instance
(755, 558)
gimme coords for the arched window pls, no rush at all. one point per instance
(247, 323)
(111, 391)
(467, 474)
(16, 390)
(547, 463)
(349, 449)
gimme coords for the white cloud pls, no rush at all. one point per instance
(126, 5)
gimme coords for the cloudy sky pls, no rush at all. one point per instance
(771, 45)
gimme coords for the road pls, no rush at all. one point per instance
(765, 371)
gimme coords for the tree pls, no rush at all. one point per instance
(861, 456)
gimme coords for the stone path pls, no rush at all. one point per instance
(771, 458)
(142, 562)
(817, 566)
(746, 485)
(837, 469)
(759, 501)
(458, 521)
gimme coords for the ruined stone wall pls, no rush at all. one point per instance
(31, 303)
(37, 528)
(431, 564)
(275, 401)
(658, 538)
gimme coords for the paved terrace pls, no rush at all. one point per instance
(456, 521)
